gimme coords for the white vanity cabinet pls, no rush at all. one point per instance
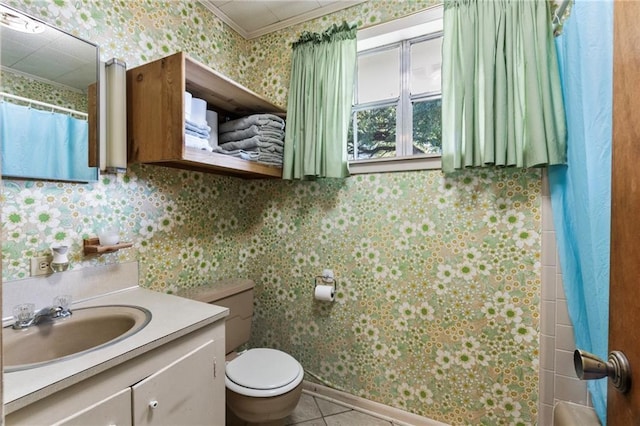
(178, 383)
(181, 393)
(111, 411)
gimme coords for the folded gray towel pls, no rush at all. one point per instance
(270, 147)
(268, 139)
(253, 142)
(238, 135)
(254, 154)
(276, 134)
(240, 153)
(254, 130)
(251, 120)
(268, 158)
(243, 144)
(270, 163)
(249, 155)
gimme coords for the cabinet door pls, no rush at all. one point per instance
(112, 411)
(186, 392)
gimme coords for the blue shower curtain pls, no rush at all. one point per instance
(43, 145)
(580, 191)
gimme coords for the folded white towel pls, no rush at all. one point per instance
(196, 127)
(196, 142)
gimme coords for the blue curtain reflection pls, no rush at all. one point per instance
(43, 144)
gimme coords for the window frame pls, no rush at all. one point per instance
(402, 32)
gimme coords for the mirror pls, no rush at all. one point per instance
(48, 101)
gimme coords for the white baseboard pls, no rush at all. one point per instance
(395, 415)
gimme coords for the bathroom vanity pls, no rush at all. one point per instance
(169, 372)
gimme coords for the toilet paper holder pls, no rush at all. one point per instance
(325, 280)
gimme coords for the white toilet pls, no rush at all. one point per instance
(263, 385)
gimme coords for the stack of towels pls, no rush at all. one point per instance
(258, 137)
(198, 132)
(196, 135)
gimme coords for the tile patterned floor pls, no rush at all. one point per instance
(315, 411)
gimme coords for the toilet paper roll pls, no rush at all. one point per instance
(325, 293)
(212, 121)
(199, 111)
(187, 105)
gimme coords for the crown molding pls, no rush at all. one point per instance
(223, 16)
(248, 35)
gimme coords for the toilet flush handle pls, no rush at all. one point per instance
(590, 367)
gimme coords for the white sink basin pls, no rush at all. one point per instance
(87, 329)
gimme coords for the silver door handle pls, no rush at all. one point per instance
(590, 367)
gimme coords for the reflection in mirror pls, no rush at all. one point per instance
(48, 98)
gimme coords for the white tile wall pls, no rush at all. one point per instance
(558, 381)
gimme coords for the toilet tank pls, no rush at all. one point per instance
(236, 295)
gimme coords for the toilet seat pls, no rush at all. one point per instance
(263, 372)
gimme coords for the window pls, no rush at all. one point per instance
(396, 115)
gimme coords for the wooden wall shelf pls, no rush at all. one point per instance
(92, 246)
(156, 111)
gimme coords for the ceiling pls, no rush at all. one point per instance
(51, 55)
(255, 18)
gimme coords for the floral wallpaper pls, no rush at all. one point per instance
(438, 277)
(21, 85)
(438, 284)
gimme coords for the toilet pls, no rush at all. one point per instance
(263, 385)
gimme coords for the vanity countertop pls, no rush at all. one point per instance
(172, 317)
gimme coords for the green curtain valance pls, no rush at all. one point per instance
(501, 95)
(336, 32)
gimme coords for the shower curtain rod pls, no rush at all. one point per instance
(44, 104)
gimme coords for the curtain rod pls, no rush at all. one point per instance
(558, 14)
(44, 104)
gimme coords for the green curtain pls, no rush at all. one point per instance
(323, 69)
(501, 96)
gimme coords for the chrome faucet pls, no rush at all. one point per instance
(25, 318)
(47, 314)
(50, 313)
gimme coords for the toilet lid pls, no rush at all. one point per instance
(263, 369)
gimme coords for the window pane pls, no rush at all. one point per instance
(427, 127)
(379, 75)
(376, 135)
(426, 62)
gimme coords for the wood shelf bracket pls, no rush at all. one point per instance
(92, 246)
